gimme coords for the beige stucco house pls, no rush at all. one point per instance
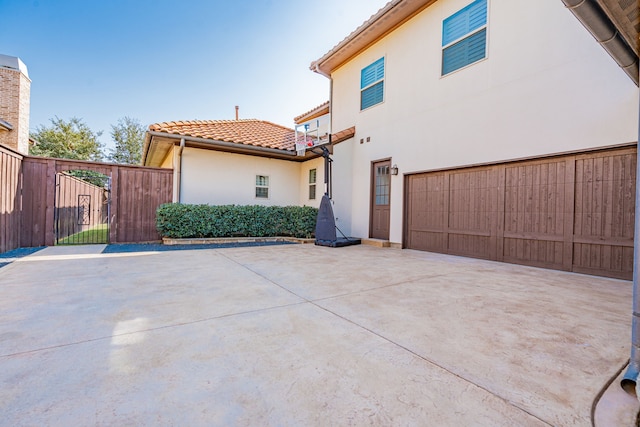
(511, 132)
(488, 128)
(242, 161)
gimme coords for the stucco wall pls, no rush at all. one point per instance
(318, 165)
(344, 201)
(219, 178)
(545, 87)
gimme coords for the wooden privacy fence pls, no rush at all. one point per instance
(10, 189)
(28, 192)
(573, 212)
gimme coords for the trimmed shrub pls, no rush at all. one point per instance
(177, 221)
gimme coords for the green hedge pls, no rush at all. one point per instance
(177, 221)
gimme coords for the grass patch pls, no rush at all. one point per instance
(97, 234)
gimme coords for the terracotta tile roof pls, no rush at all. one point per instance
(343, 135)
(320, 110)
(258, 133)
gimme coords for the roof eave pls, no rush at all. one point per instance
(608, 34)
(390, 17)
(145, 147)
(319, 111)
(231, 147)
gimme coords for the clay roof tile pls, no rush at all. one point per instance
(259, 133)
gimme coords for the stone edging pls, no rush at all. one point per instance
(221, 240)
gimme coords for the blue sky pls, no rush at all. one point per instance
(160, 60)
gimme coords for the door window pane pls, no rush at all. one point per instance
(382, 185)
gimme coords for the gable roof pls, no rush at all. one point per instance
(391, 16)
(258, 133)
(247, 136)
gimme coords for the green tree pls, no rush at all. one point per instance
(71, 139)
(128, 135)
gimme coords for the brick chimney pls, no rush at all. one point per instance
(15, 93)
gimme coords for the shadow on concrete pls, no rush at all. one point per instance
(159, 247)
(7, 258)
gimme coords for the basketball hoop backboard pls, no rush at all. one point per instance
(312, 133)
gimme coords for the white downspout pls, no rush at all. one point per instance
(630, 379)
(177, 171)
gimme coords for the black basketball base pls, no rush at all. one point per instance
(326, 227)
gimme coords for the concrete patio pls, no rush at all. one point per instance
(303, 335)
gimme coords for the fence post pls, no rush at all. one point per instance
(49, 220)
(113, 214)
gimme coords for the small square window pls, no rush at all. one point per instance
(262, 187)
(312, 184)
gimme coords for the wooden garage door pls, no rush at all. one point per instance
(573, 212)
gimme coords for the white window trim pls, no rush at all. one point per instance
(486, 47)
(256, 186)
(314, 183)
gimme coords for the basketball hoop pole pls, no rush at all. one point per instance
(327, 169)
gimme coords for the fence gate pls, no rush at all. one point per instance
(82, 207)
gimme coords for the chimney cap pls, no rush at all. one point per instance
(13, 63)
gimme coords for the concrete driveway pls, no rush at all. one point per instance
(303, 335)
